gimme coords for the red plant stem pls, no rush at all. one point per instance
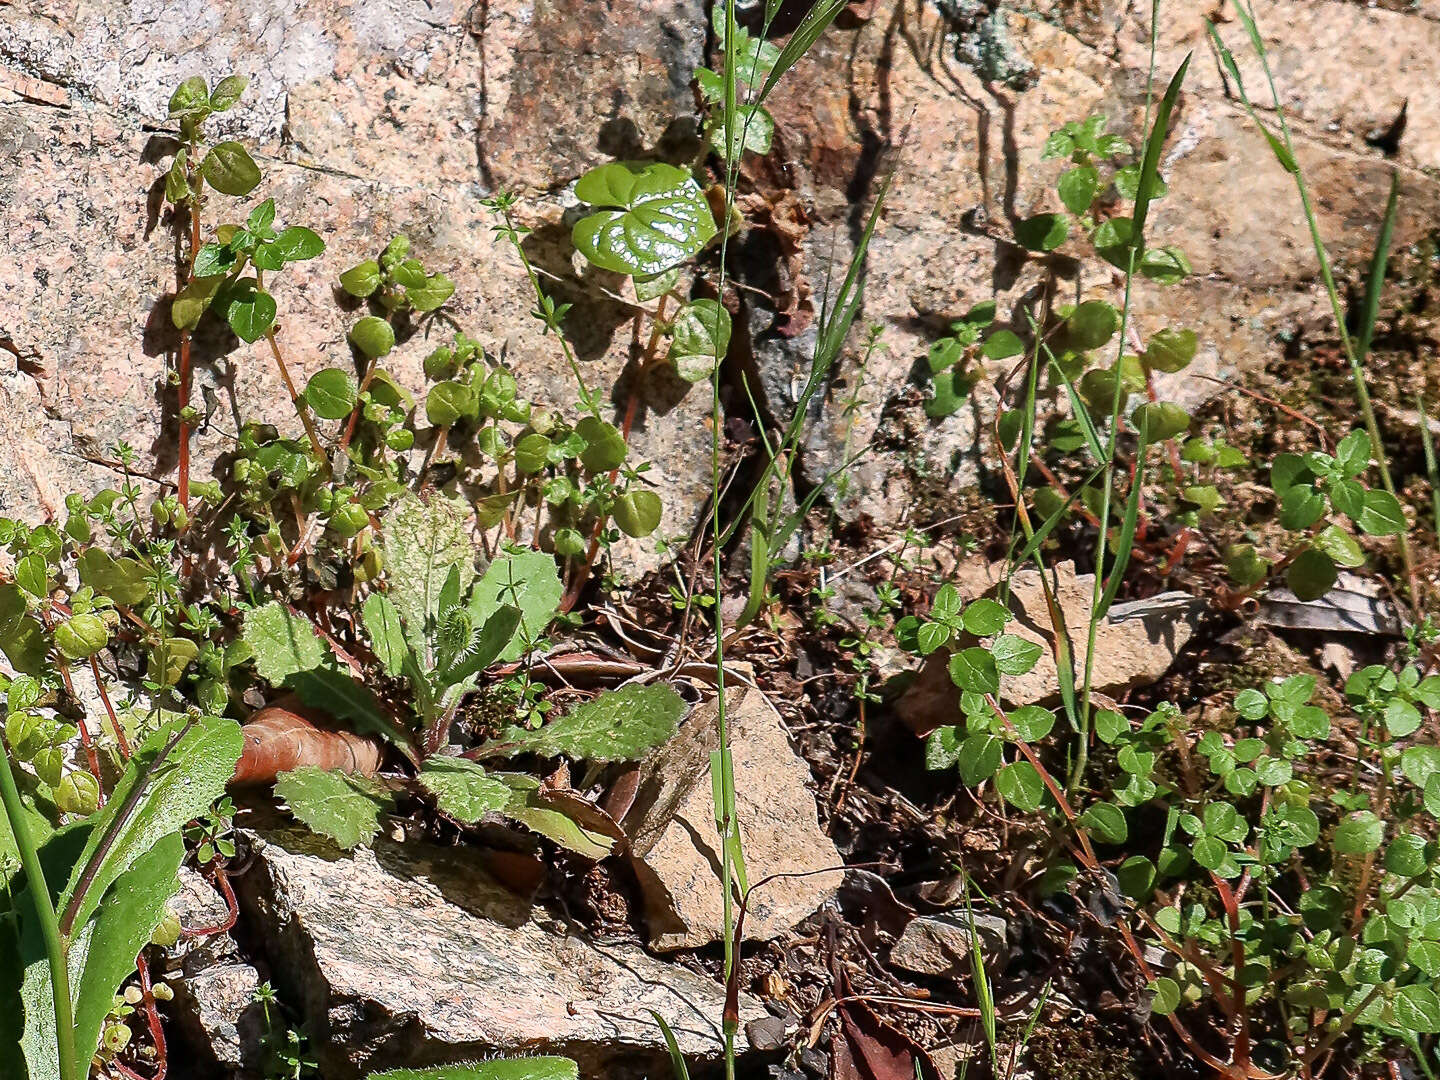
(110, 710)
(157, 1033)
(350, 424)
(232, 908)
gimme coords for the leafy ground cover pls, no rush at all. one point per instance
(1230, 871)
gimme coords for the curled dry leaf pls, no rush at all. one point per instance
(288, 734)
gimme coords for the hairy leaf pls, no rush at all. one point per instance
(342, 806)
(619, 725)
(524, 1068)
(422, 542)
(282, 642)
(526, 807)
(463, 789)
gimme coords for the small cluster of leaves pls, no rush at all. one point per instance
(1315, 492)
(949, 359)
(439, 626)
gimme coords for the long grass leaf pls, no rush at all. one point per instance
(1048, 525)
(1375, 283)
(816, 20)
(1126, 542)
(677, 1060)
(1150, 167)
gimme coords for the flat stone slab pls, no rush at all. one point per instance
(408, 954)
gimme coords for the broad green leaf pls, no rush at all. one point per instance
(1358, 834)
(228, 168)
(1407, 855)
(362, 279)
(249, 310)
(123, 580)
(1021, 786)
(342, 806)
(1420, 763)
(1401, 718)
(1165, 998)
(463, 789)
(1077, 188)
(373, 336)
(974, 669)
(1382, 514)
(191, 98)
(528, 581)
(605, 447)
(701, 337)
(1416, 1008)
(331, 393)
(657, 217)
(1106, 822)
(985, 617)
(1091, 325)
(1002, 344)
(1342, 548)
(754, 131)
(1014, 655)
(526, 807)
(227, 92)
(637, 512)
(297, 243)
(1311, 575)
(522, 1068)
(1043, 232)
(191, 302)
(1032, 722)
(1157, 421)
(422, 542)
(432, 294)
(618, 725)
(281, 642)
(1170, 350)
(172, 778)
(979, 757)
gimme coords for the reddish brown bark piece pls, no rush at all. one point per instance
(287, 734)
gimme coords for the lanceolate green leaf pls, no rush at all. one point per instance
(619, 725)
(525, 1068)
(387, 637)
(1150, 167)
(128, 915)
(174, 777)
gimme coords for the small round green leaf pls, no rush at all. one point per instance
(1157, 421)
(228, 168)
(373, 336)
(1020, 785)
(604, 445)
(331, 393)
(1091, 325)
(81, 636)
(362, 279)
(1043, 232)
(637, 513)
(249, 311)
(1382, 514)
(1170, 350)
(985, 617)
(1077, 188)
(431, 293)
(974, 670)
(1359, 834)
(298, 243)
(1311, 575)
(78, 793)
(701, 337)
(1106, 823)
(447, 402)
